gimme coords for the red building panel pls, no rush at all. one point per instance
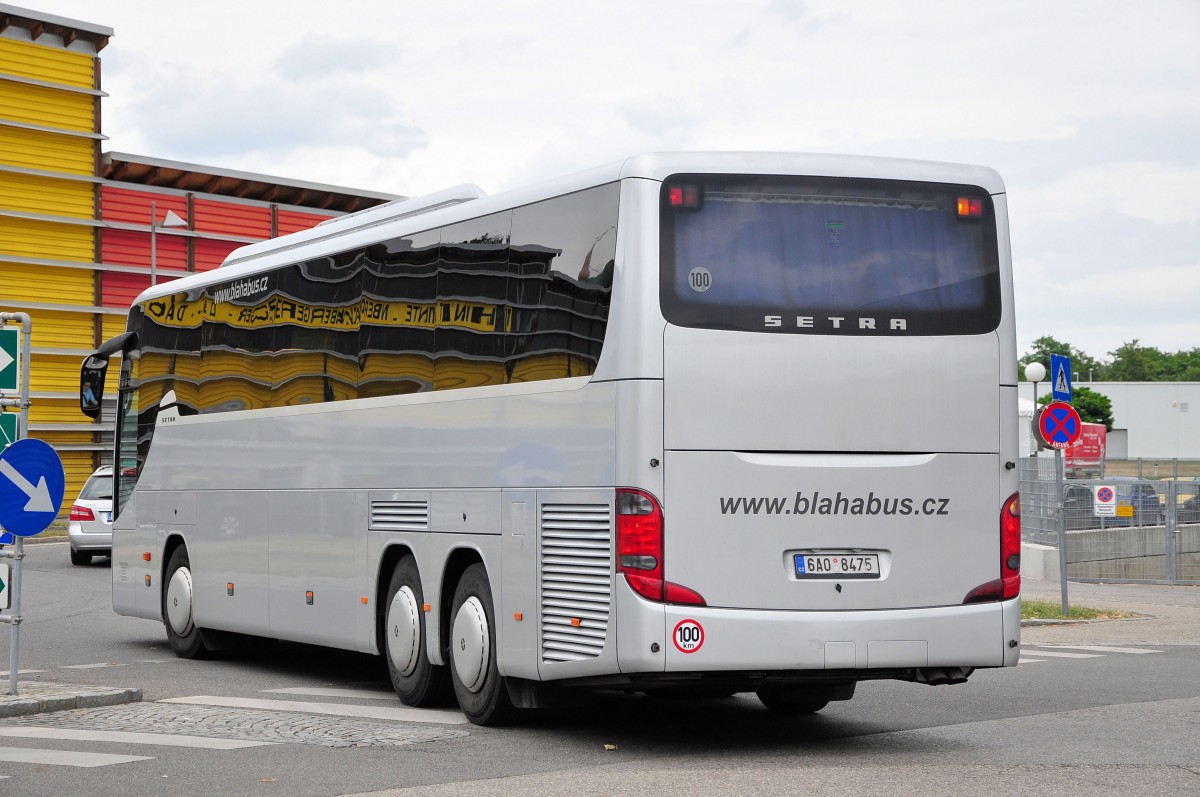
(210, 254)
(129, 248)
(293, 221)
(118, 289)
(122, 204)
(228, 218)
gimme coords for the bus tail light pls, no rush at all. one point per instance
(1008, 586)
(81, 513)
(970, 208)
(640, 549)
(684, 196)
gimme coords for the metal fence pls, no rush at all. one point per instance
(1154, 537)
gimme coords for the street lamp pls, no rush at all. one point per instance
(170, 220)
(1035, 372)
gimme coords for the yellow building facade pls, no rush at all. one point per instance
(75, 223)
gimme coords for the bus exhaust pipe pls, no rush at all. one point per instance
(937, 676)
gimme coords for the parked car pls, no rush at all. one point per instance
(1188, 511)
(1147, 506)
(89, 526)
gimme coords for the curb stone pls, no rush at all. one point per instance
(43, 698)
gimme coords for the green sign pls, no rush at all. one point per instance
(8, 358)
(3, 585)
(8, 428)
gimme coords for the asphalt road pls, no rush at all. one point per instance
(1071, 720)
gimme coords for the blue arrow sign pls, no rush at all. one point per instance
(32, 482)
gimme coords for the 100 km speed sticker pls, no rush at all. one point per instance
(688, 636)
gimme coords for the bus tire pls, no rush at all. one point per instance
(416, 681)
(480, 689)
(792, 702)
(178, 603)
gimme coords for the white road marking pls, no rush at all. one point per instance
(5, 673)
(65, 758)
(97, 666)
(124, 737)
(399, 713)
(1024, 660)
(1055, 654)
(349, 694)
(1105, 649)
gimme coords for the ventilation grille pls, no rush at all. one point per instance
(400, 516)
(576, 580)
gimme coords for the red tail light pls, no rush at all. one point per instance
(970, 207)
(81, 513)
(1010, 547)
(1008, 586)
(640, 549)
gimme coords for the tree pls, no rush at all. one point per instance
(1082, 366)
(1134, 363)
(1092, 407)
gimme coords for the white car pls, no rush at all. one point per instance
(89, 527)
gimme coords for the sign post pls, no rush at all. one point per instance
(32, 480)
(1059, 426)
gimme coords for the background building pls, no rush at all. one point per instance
(1152, 420)
(76, 227)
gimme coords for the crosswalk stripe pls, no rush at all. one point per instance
(65, 758)
(1056, 654)
(314, 691)
(96, 666)
(1024, 660)
(1104, 649)
(124, 737)
(398, 713)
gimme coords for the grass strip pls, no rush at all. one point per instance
(1052, 610)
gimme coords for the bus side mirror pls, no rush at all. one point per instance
(95, 365)
(91, 385)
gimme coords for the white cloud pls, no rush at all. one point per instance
(1089, 108)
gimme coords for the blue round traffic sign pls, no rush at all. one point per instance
(31, 487)
(1059, 424)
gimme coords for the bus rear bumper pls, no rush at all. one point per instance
(706, 639)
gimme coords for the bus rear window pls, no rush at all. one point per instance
(828, 256)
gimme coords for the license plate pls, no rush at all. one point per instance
(108, 517)
(837, 564)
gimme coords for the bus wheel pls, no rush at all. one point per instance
(792, 701)
(480, 690)
(182, 632)
(416, 681)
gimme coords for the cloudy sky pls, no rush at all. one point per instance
(1089, 109)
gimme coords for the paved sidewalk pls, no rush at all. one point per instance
(1165, 615)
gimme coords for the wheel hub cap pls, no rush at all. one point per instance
(404, 631)
(469, 644)
(179, 602)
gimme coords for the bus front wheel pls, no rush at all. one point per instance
(182, 631)
(416, 681)
(480, 690)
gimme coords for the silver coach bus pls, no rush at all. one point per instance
(707, 422)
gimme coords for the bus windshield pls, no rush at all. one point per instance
(789, 254)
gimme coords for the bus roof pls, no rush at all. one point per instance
(468, 201)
